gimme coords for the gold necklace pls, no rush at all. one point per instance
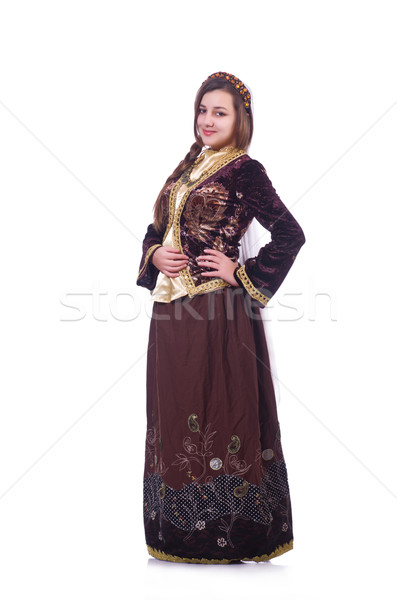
(186, 175)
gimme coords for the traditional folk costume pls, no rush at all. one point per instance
(215, 480)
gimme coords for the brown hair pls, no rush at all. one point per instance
(244, 129)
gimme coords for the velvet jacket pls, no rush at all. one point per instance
(214, 213)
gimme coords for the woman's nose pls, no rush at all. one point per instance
(209, 120)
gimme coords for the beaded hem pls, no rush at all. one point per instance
(214, 561)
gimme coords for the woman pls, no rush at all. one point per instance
(215, 480)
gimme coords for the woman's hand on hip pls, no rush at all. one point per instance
(169, 260)
(223, 265)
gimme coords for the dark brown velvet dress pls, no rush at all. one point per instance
(215, 481)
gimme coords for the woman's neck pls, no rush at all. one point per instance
(223, 149)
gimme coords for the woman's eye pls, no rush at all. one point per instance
(204, 110)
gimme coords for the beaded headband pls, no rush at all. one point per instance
(237, 84)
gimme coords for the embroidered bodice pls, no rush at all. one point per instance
(170, 288)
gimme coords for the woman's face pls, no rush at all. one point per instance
(216, 119)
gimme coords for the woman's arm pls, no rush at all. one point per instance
(156, 257)
(262, 275)
(148, 272)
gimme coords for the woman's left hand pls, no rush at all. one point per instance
(223, 265)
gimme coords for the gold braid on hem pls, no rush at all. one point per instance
(148, 255)
(249, 286)
(215, 561)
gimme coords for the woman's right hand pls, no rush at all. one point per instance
(169, 260)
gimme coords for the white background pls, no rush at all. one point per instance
(96, 106)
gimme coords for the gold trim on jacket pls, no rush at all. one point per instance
(148, 255)
(249, 286)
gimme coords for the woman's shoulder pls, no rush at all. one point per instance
(247, 166)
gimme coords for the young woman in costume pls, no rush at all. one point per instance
(215, 480)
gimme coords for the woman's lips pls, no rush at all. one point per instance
(208, 132)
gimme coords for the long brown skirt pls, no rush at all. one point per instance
(215, 480)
